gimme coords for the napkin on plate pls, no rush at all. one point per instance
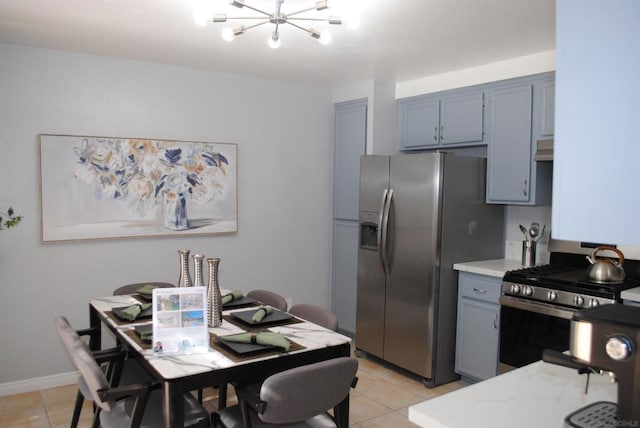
(262, 338)
(230, 297)
(132, 312)
(146, 289)
(262, 312)
(145, 332)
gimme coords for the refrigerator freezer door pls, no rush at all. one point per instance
(374, 181)
(412, 280)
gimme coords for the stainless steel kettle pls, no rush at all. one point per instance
(605, 270)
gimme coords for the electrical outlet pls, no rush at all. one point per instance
(289, 302)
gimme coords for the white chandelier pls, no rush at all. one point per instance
(278, 18)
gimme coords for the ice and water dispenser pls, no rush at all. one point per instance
(369, 230)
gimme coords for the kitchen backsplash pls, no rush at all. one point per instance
(525, 215)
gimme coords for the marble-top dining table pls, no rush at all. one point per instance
(218, 364)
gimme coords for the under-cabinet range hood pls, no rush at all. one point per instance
(544, 151)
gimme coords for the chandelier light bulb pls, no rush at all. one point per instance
(228, 34)
(274, 40)
(199, 18)
(325, 37)
(201, 12)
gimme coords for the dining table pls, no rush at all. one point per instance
(219, 364)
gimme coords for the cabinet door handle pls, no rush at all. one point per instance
(524, 188)
(479, 290)
(495, 321)
(442, 133)
(435, 134)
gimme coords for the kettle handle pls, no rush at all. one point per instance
(592, 257)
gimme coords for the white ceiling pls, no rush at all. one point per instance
(398, 40)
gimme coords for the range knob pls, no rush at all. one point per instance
(552, 295)
(527, 291)
(578, 300)
(593, 303)
(515, 288)
(618, 348)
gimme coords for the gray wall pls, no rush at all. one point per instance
(284, 133)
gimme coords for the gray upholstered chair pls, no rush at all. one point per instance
(116, 368)
(269, 298)
(132, 288)
(132, 406)
(315, 314)
(298, 397)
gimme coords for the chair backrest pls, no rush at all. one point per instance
(315, 314)
(132, 288)
(67, 336)
(91, 373)
(303, 392)
(270, 298)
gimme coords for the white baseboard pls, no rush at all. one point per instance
(38, 383)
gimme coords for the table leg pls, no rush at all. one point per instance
(342, 413)
(173, 404)
(95, 340)
(342, 409)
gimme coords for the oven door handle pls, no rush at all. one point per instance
(540, 308)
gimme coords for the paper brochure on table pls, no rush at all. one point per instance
(180, 320)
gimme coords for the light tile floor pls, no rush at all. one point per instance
(381, 399)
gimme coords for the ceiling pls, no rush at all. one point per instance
(398, 40)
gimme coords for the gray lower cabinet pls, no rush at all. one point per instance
(345, 274)
(478, 326)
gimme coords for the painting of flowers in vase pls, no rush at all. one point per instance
(106, 187)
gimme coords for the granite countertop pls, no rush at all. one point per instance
(537, 395)
(495, 267)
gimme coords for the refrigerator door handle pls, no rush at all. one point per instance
(385, 233)
(381, 235)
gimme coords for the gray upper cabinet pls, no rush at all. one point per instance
(434, 120)
(509, 154)
(462, 119)
(546, 92)
(519, 112)
(507, 116)
(419, 123)
(350, 142)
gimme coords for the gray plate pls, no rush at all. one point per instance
(147, 297)
(245, 348)
(243, 301)
(273, 317)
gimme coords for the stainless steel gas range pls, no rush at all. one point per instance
(537, 303)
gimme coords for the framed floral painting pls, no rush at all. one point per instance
(108, 187)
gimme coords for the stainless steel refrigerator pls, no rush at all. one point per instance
(419, 214)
